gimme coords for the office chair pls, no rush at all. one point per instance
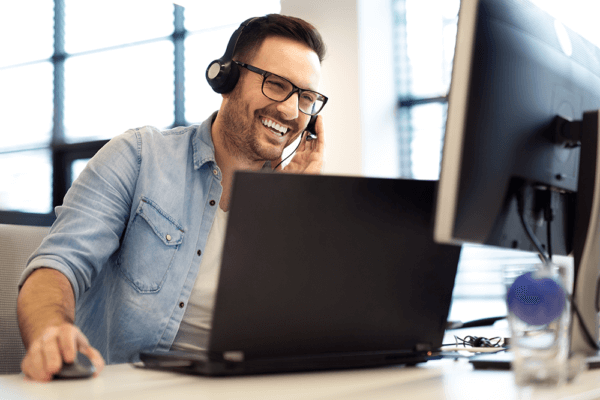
(17, 243)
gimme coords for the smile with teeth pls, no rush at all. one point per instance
(274, 126)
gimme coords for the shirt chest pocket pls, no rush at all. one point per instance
(148, 248)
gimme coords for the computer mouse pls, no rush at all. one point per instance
(82, 367)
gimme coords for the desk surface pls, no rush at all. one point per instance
(444, 379)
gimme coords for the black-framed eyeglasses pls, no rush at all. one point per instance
(280, 89)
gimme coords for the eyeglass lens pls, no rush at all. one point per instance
(276, 88)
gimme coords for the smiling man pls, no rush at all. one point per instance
(252, 127)
(132, 261)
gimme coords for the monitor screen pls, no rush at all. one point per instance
(521, 84)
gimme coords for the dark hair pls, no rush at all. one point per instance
(278, 25)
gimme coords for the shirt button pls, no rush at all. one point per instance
(168, 238)
(215, 172)
(181, 304)
(199, 252)
(212, 202)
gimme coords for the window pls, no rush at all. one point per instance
(425, 33)
(90, 71)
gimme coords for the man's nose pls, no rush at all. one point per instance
(289, 107)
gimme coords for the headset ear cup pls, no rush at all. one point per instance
(232, 77)
(212, 74)
(222, 76)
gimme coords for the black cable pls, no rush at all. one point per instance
(549, 237)
(530, 234)
(549, 217)
(475, 341)
(546, 260)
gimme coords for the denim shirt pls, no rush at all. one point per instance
(130, 235)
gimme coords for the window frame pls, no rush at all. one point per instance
(407, 102)
(63, 153)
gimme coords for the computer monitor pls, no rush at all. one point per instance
(521, 145)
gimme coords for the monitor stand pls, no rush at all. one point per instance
(586, 249)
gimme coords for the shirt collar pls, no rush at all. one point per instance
(202, 143)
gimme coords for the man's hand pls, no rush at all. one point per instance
(58, 345)
(309, 156)
(46, 311)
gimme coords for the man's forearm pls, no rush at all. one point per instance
(46, 299)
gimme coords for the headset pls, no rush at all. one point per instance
(222, 74)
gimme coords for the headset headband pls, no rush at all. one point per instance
(222, 75)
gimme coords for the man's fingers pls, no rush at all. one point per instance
(80, 340)
(51, 353)
(96, 359)
(66, 341)
(94, 355)
(56, 346)
(303, 141)
(33, 364)
(320, 131)
(319, 126)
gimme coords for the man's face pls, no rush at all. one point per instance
(246, 109)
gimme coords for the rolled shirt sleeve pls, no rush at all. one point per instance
(93, 216)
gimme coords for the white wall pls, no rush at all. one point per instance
(357, 76)
(336, 20)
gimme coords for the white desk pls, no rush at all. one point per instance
(445, 379)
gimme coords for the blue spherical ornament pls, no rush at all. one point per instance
(536, 301)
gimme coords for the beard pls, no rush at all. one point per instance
(242, 131)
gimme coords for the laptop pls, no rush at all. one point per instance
(325, 272)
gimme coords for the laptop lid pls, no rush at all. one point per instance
(330, 264)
